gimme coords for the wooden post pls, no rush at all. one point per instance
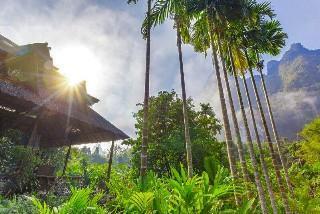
(66, 160)
(34, 139)
(110, 161)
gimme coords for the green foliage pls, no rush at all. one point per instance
(174, 194)
(141, 202)
(17, 205)
(97, 175)
(166, 141)
(121, 187)
(42, 207)
(305, 170)
(80, 202)
(310, 146)
(52, 157)
(18, 163)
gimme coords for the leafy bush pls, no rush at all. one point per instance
(17, 205)
(176, 194)
(80, 202)
(17, 163)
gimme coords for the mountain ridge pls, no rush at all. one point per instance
(293, 84)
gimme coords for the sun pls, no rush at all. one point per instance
(77, 63)
(73, 80)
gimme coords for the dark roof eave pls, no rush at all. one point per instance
(90, 117)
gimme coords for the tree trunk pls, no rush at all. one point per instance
(268, 138)
(234, 118)
(274, 129)
(226, 125)
(185, 105)
(249, 140)
(110, 161)
(145, 129)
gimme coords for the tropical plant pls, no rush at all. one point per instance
(246, 39)
(233, 114)
(310, 148)
(145, 132)
(166, 125)
(273, 39)
(204, 36)
(238, 66)
(141, 202)
(305, 168)
(80, 201)
(17, 164)
(17, 204)
(162, 10)
(249, 43)
(178, 193)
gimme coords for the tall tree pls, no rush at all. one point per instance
(272, 39)
(268, 138)
(184, 102)
(162, 10)
(233, 115)
(249, 141)
(145, 131)
(166, 125)
(204, 37)
(237, 60)
(249, 38)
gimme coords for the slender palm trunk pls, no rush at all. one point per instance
(268, 138)
(249, 140)
(226, 124)
(145, 131)
(185, 105)
(274, 129)
(234, 118)
(248, 133)
(110, 161)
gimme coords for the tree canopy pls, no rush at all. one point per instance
(166, 140)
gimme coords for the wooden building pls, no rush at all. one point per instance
(36, 99)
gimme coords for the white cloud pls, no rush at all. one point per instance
(109, 40)
(115, 49)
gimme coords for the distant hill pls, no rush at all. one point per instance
(294, 87)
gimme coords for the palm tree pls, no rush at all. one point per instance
(184, 102)
(249, 140)
(238, 65)
(145, 130)
(233, 115)
(252, 39)
(162, 10)
(226, 123)
(247, 130)
(273, 39)
(204, 37)
(275, 132)
(268, 136)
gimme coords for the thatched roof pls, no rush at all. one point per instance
(27, 105)
(35, 99)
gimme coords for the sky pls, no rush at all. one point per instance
(100, 41)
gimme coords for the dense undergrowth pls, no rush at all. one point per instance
(211, 190)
